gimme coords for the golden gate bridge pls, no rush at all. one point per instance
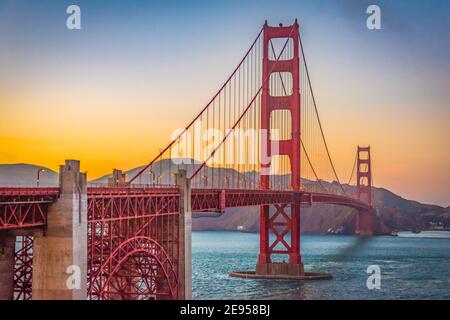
(258, 142)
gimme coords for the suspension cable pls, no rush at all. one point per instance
(310, 164)
(301, 141)
(317, 114)
(244, 111)
(200, 113)
(353, 169)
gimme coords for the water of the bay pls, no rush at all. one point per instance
(412, 267)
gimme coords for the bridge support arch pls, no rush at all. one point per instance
(139, 268)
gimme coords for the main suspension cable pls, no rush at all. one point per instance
(200, 113)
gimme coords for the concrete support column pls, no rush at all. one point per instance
(60, 253)
(7, 248)
(185, 236)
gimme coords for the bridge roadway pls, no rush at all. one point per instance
(24, 207)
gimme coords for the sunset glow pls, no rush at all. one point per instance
(112, 93)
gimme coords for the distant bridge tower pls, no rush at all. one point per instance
(282, 223)
(364, 219)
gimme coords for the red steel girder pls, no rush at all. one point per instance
(23, 268)
(25, 207)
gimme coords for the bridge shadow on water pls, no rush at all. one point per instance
(345, 254)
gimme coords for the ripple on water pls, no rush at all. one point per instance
(411, 268)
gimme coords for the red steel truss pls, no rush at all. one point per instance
(160, 200)
(23, 267)
(219, 199)
(25, 207)
(133, 243)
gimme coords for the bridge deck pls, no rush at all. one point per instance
(27, 207)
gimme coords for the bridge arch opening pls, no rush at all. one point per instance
(280, 84)
(139, 268)
(276, 47)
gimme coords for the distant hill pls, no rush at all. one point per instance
(393, 213)
(164, 167)
(25, 175)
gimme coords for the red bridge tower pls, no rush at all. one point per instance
(364, 219)
(281, 223)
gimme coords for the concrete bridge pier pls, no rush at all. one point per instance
(7, 244)
(184, 236)
(60, 252)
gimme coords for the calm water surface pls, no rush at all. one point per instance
(411, 267)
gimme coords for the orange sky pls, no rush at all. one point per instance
(113, 101)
